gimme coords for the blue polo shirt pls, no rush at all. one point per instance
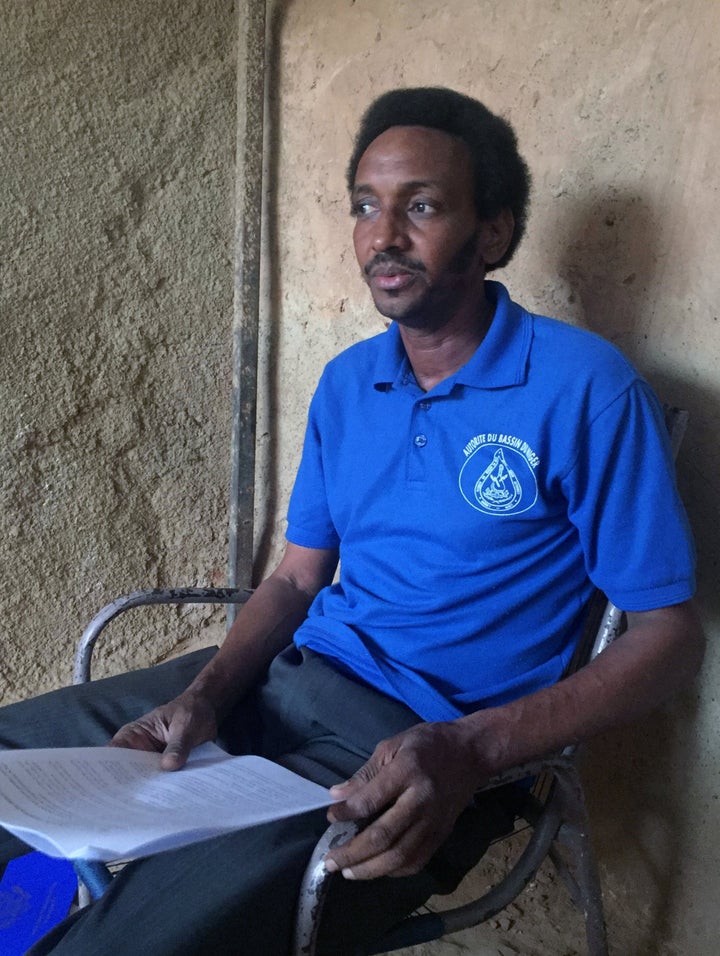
(474, 520)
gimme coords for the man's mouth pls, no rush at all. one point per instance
(387, 274)
(389, 280)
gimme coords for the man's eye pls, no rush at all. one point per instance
(361, 208)
(421, 207)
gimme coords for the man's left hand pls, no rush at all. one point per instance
(413, 789)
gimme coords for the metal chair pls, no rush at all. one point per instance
(554, 809)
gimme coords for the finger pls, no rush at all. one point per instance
(359, 779)
(368, 792)
(179, 745)
(135, 736)
(403, 857)
(382, 835)
(382, 757)
(174, 758)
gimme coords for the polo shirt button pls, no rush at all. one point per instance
(420, 441)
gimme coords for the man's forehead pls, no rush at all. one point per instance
(430, 151)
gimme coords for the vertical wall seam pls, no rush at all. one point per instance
(246, 299)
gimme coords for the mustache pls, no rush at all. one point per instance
(383, 261)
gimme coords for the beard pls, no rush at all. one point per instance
(428, 308)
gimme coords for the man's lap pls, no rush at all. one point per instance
(233, 894)
(87, 715)
(236, 893)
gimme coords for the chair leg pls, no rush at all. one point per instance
(93, 879)
(584, 885)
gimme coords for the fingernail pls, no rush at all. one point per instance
(331, 866)
(348, 873)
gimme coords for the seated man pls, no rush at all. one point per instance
(476, 471)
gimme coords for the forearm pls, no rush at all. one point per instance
(658, 655)
(264, 625)
(416, 783)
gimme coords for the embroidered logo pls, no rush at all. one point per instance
(14, 903)
(498, 475)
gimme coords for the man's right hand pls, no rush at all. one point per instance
(172, 729)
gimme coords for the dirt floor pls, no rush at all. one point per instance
(542, 922)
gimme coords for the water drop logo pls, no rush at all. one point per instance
(498, 475)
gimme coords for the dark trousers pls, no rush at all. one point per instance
(236, 894)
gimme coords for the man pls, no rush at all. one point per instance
(477, 470)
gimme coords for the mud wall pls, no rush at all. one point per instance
(116, 301)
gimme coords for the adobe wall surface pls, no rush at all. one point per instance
(116, 299)
(118, 125)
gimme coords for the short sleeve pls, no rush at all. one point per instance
(310, 524)
(624, 502)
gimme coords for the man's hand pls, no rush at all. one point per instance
(415, 785)
(173, 729)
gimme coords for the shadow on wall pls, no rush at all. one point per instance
(608, 258)
(636, 776)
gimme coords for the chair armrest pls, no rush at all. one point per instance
(314, 887)
(83, 654)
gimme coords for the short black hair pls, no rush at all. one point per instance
(502, 179)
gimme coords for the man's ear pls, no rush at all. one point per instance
(495, 235)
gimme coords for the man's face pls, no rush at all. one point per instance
(416, 231)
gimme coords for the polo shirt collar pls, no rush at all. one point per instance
(500, 361)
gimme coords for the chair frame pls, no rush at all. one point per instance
(562, 820)
(558, 820)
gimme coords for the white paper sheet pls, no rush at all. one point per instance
(107, 803)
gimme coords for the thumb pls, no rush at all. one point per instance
(176, 752)
(363, 775)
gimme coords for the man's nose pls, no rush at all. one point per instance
(390, 231)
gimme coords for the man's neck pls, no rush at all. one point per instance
(436, 354)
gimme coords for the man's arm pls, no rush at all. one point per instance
(264, 625)
(421, 780)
